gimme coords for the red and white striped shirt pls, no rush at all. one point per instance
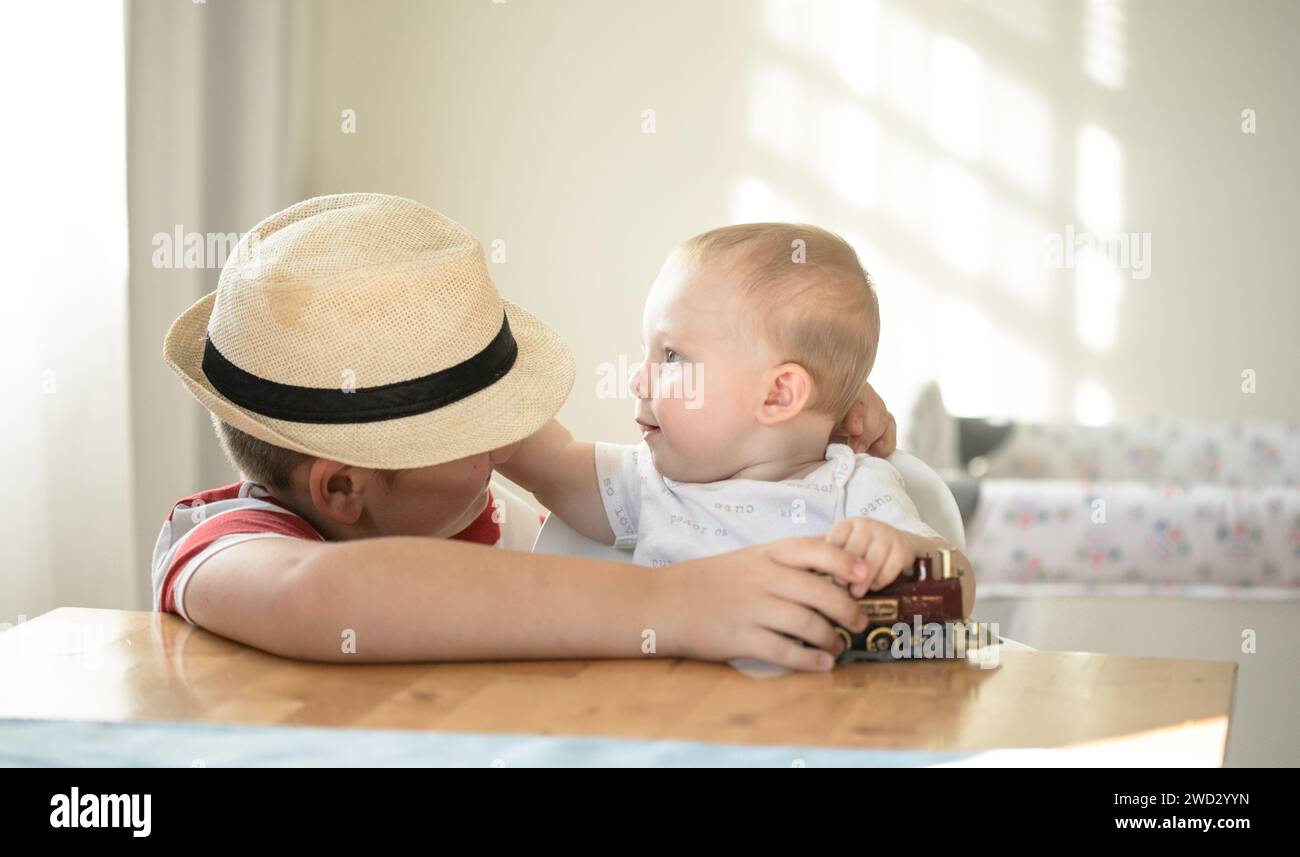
(211, 521)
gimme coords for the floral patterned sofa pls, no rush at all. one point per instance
(1162, 508)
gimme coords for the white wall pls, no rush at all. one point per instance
(944, 138)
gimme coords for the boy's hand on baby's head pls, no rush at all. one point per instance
(868, 426)
(886, 550)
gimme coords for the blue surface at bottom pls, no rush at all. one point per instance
(63, 743)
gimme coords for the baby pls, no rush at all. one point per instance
(757, 341)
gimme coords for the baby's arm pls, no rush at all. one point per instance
(561, 473)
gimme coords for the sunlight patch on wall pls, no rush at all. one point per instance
(775, 109)
(1097, 293)
(915, 124)
(1104, 56)
(905, 51)
(838, 141)
(1019, 133)
(851, 163)
(907, 357)
(857, 44)
(956, 97)
(1025, 381)
(963, 340)
(1098, 179)
(1093, 404)
(904, 182)
(982, 371)
(960, 205)
(1028, 18)
(1017, 266)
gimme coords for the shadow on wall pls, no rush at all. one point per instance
(942, 149)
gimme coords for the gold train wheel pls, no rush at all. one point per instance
(880, 640)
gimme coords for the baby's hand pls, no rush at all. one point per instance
(887, 550)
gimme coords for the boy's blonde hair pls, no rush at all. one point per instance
(265, 463)
(812, 298)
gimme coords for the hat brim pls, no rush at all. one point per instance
(509, 410)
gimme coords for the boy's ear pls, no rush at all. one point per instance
(789, 387)
(338, 490)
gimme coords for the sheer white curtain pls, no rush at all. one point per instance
(213, 92)
(123, 121)
(66, 523)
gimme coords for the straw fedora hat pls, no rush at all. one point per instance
(364, 328)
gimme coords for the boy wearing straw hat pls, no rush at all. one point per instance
(365, 377)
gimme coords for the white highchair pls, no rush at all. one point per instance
(934, 503)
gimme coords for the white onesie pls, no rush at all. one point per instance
(665, 521)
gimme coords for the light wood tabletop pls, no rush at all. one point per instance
(109, 665)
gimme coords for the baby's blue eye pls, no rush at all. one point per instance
(671, 356)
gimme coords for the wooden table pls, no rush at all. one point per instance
(109, 665)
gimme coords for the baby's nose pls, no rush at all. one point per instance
(636, 380)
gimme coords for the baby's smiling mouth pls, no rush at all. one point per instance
(647, 429)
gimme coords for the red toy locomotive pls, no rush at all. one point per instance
(926, 596)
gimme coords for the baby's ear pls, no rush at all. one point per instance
(789, 387)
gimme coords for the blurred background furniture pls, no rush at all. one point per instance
(1165, 507)
(1169, 538)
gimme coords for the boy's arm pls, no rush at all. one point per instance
(424, 599)
(868, 426)
(561, 473)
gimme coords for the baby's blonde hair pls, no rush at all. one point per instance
(813, 300)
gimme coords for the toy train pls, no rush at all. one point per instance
(915, 616)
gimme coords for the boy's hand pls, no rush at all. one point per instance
(868, 426)
(750, 603)
(886, 550)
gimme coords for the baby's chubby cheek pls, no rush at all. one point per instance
(697, 441)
